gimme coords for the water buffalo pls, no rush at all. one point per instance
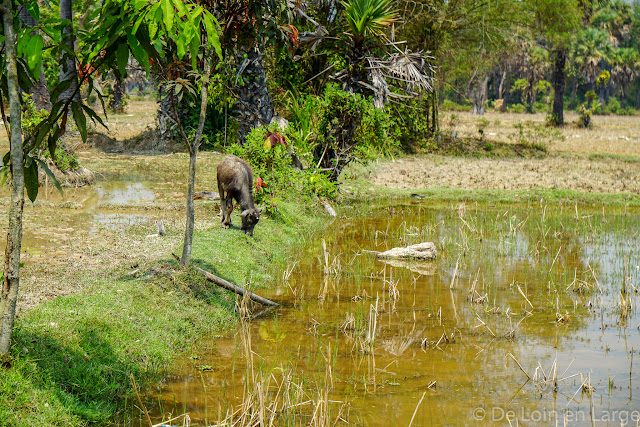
(235, 181)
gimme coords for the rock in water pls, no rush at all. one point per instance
(426, 250)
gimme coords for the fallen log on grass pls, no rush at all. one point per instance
(233, 288)
(237, 289)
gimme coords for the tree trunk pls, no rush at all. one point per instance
(117, 92)
(9, 292)
(68, 68)
(253, 106)
(501, 86)
(190, 223)
(193, 154)
(479, 96)
(507, 97)
(602, 93)
(39, 91)
(165, 120)
(558, 79)
(574, 90)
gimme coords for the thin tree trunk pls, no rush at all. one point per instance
(602, 95)
(484, 92)
(558, 79)
(9, 292)
(529, 94)
(117, 91)
(68, 68)
(166, 122)
(574, 90)
(190, 224)
(193, 154)
(254, 106)
(501, 86)
(479, 95)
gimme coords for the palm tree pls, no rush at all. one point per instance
(590, 47)
(247, 27)
(366, 22)
(373, 62)
(625, 66)
(615, 17)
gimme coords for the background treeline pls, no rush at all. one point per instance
(492, 54)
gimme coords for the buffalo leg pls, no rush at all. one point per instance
(228, 208)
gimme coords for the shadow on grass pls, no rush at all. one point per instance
(82, 349)
(88, 378)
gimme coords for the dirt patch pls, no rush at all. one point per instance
(580, 173)
(147, 142)
(609, 134)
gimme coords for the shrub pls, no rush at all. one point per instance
(351, 129)
(448, 105)
(303, 120)
(584, 116)
(276, 178)
(517, 108)
(612, 106)
(64, 159)
(413, 125)
(482, 124)
(629, 111)
(540, 107)
(31, 116)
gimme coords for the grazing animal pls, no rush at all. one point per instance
(235, 181)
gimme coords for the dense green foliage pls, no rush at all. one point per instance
(278, 180)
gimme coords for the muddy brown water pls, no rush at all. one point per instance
(548, 290)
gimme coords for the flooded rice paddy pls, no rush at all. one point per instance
(528, 316)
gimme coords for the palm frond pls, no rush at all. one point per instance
(368, 17)
(412, 71)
